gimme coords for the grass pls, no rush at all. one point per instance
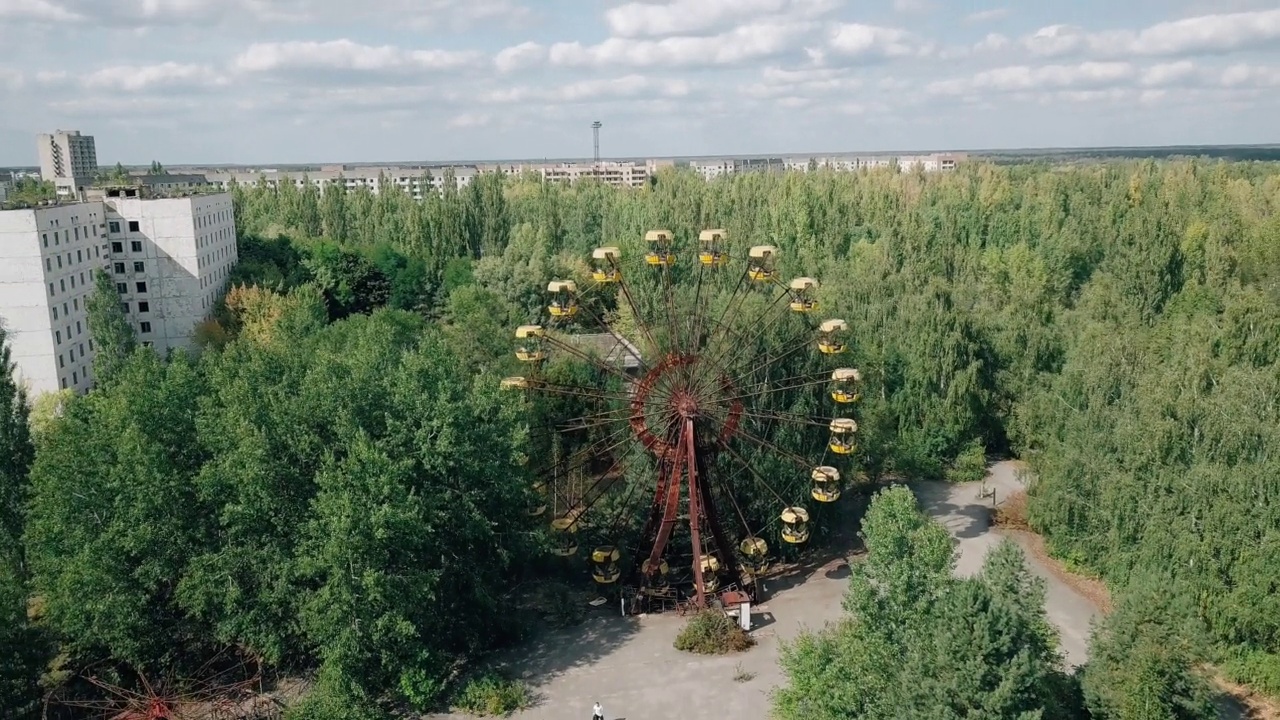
(711, 632)
(742, 675)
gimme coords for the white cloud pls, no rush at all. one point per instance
(1168, 73)
(688, 17)
(912, 6)
(36, 10)
(1024, 78)
(10, 78)
(141, 14)
(825, 83)
(871, 41)
(167, 75)
(627, 86)
(990, 15)
(347, 55)
(517, 57)
(992, 43)
(1203, 35)
(1246, 75)
(741, 43)
(470, 120)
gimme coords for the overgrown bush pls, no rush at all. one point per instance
(492, 694)
(711, 632)
(1259, 670)
(970, 465)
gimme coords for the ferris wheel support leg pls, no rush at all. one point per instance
(670, 510)
(695, 513)
(723, 550)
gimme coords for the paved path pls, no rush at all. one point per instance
(630, 666)
(959, 508)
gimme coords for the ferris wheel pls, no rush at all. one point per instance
(669, 393)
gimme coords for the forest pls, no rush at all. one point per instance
(335, 483)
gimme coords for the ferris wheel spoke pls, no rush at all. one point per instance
(773, 447)
(595, 362)
(788, 418)
(622, 342)
(594, 420)
(575, 391)
(718, 355)
(654, 347)
(772, 388)
(763, 483)
(603, 445)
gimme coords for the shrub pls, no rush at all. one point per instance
(1259, 670)
(711, 632)
(492, 694)
(970, 465)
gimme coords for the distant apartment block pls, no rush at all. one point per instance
(169, 259)
(413, 181)
(719, 167)
(67, 159)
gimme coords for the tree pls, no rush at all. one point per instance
(16, 454)
(919, 643)
(24, 650)
(156, 169)
(1141, 660)
(113, 337)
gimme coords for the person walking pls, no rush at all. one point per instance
(597, 712)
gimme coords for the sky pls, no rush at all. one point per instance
(294, 81)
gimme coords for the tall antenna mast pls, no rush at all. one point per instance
(595, 134)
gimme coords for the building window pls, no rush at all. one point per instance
(75, 377)
(79, 259)
(146, 343)
(113, 226)
(75, 303)
(135, 246)
(122, 288)
(125, 307)
(119, 268)
(55, 313)
(78, 331)
(61, 363)
(82, 282)
(133, 226)
(59, 262)
(117, 247)
(73, 282)
(77, 233)
(57, 334)
(62, 284)
(48, 266)
(144, 306)
(45, 238)
(73, 354)
(142, 287)
(64, 383)
(144, 326)
(81, 349)
(138, 267)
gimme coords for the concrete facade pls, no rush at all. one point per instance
(48, 256)
(170, 259)
(67, 159)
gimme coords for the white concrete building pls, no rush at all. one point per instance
(170, 259)
(48, 256)
(414, 181)
(67, 159)
(712, 169)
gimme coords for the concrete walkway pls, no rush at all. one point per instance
(960, 509)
